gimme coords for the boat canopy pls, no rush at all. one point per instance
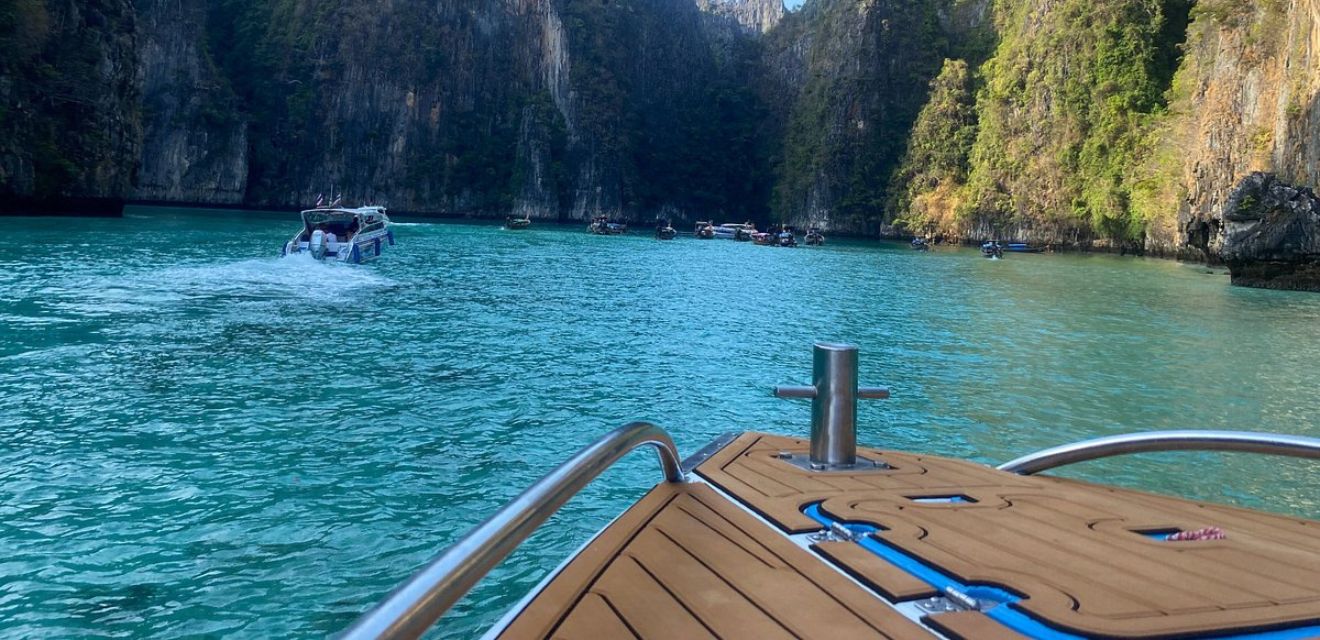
(365, 215)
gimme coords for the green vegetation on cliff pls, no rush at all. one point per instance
(1065, 115)
(866, 76)
(927, 189)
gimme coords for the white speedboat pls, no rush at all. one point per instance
(741, 232)
(339, 233)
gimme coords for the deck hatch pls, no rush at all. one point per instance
(952, 499)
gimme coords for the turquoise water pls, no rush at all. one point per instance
(202, 438)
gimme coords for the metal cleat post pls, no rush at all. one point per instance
(834, 393)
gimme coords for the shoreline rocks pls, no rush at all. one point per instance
(1272, 234)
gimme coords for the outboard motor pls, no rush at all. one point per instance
(318, 245)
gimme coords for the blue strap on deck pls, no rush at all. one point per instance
(1009, 616)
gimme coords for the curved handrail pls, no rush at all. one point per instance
(1152, 441)
(414, 606)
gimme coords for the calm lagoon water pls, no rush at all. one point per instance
(202, 438)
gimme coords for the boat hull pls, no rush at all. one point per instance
(363, 248)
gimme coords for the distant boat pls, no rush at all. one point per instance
(602, 226)
(814, 237)
(704, 231)
(343, 234)
(992, 250)
(740, 232)
(1021, 247)
(920, 244)
(665, 232)
(513, 223)
(781, 238)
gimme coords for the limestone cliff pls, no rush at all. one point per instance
(1119, 123)
(1123, 123)
(553, 108)
(195, 136)
(69, 107)
(857, 73)
(1244, 100)
(1272, 234)
(758, 16)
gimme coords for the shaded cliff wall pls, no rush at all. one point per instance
(195, 131)
(553, 108)
(69, 108)
(858, 74)
(662, 119)
(417, 106)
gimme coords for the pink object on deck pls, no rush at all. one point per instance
(1207, 533)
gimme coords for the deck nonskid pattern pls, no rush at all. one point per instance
(1072, 549)
(686, 563)
(693, 561)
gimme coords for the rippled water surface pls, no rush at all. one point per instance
(201, 438)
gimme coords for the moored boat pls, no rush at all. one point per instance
(992, 249)
(704, 231)
(740, 232)
(757, 533)
(920, 244)
(814, 237)
(665, 232)
(353, 235)
(1021, 247)
(514, 223)
(602, 226)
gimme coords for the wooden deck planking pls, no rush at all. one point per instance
(652, 614)
(894, 583)
(1071, 547)
(686, 563)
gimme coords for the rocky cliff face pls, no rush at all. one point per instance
(553, 108)
(69, 107)
(1061, 117)
(195, 136)
(1272, 234)
(756, 16)
(1244, 100)
(858, 74)
(1120, 124)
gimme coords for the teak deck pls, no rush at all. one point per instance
(686, 562)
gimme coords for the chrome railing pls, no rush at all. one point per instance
(1154, 441)
(413, 607)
